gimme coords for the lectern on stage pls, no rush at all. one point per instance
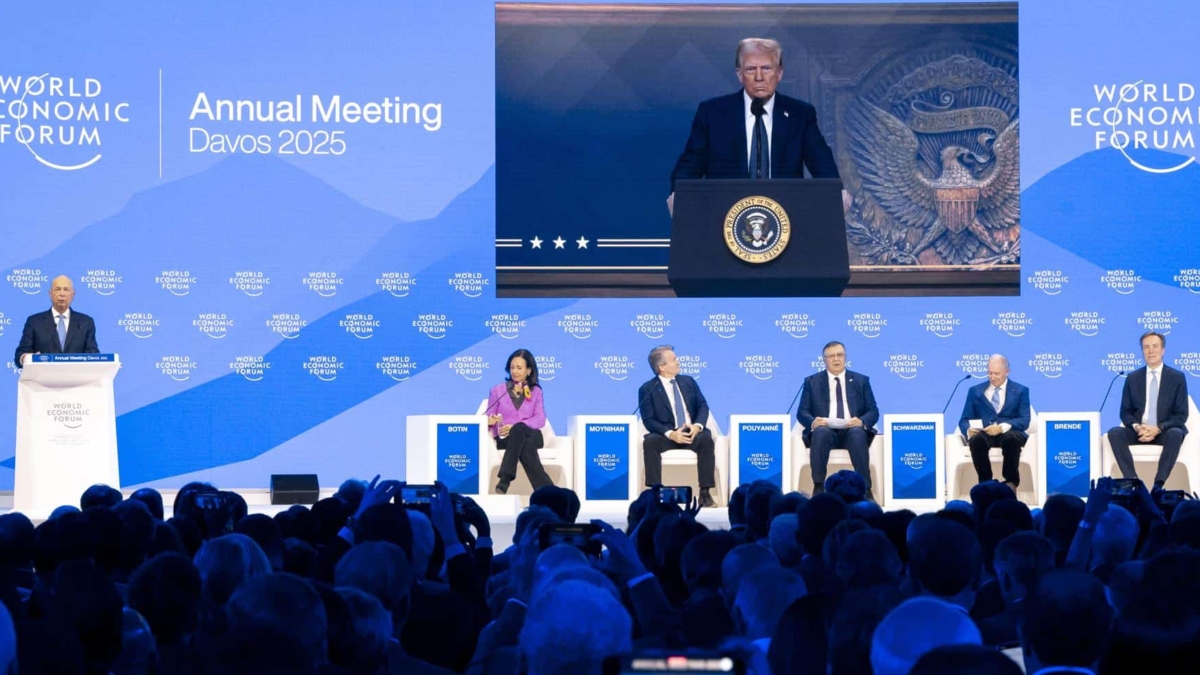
(758, 238)
(66, 430)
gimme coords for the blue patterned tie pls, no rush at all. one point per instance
(841, 408)
(680, 411)
(62, 333)
(996, 399)
(1152, 401)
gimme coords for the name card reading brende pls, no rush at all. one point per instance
(74, 358)
(458, 457)
(1069, 457)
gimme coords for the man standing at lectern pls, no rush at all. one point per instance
(756, 132)
(1154, 411)
(837, 410)
(58, 330)
(674, 412)
(1002, 408)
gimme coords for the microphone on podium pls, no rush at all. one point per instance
(642, 400)
(794, 399)
(1109, 390)
(954, 391)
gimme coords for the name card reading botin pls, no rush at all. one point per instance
(607, 456)
(458, 457)
(760, 453)
(914, 460)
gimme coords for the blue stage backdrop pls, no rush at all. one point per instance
(283, 220)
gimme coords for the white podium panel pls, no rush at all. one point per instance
(1068, 453)
(760, 448)
(446, 448)
(66, 430)
(606, 448)
(914, 462)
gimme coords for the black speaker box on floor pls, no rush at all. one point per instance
(294, 488)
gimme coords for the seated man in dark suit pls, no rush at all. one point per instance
(674, 412)
(58, 330)
(837, 410)
(1154, 411)
(755, 132)
(1003, 407)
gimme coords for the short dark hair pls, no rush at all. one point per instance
(1014, 511)
(818, 518)
(759, 497)
(944, 557)
(1153, 333)
(1067, 619)
(832, 343)
(655, 359)
(700, 561)
(152, 499)
(166, 592)
(1060, 519)
(737, 505)
(1027, 555)
(99, 496)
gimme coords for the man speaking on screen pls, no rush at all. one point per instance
(757, 132)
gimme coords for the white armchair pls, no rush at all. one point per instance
(557, 455)
(839, 458)
(679, 466)
(960, 471)
(1145, 457)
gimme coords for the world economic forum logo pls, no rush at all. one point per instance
(1121, 362)
(723, 325)
(324, 284)
(692, 365)
(759, 366)
(457, 461)
(252, 368)
(70, 415)
(176, 282)
(548, 366)
(507, 326)
(215, 325)
(607, 460)
(470, 368)
(433, 326)
(399, 368)
(795, 324)
(1189, 279)
(397, 284)
(578, 326)
(1159, 321)
(904, 366)
(139, 324)
(178, 368)
(1012, 323)
(1122, 281)
(1142, 115)
(59, 121)
(1068, 459)
(286, 325)
(941, 324)
(1052, 365)
(867, 324)
(252, 283)
(28, 280)
(1189, 362)
(470, 284)
(914, 460)
(360, 324)
(1086, 324)
(1050, 282)
(5, 322)
(974, 365)
(653, 326)
(103, 282)
(324, 368)
(761, 460)
(615, 367)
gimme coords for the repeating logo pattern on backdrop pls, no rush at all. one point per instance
(252, 368)
(59, 121)
(28, 280)
(578, 326)
(469, 368)
(1160, 321)
(103, 282)
(176, 282)
(1050, 282)
(397, 284)
(1013, 324)
(941, 324)
(760, 366)
(795, 324)
(139, 324)
(1086, 324)
(324, 368)
(723, 325)
(178, 368)
(252, 283)
(653, 326)
(615, 367)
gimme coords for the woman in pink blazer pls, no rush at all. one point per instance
(516, 416)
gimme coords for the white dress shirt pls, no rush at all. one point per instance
(1004, 426)
(833, 396)
(1150, 372)
(769, 106)
(670, 388)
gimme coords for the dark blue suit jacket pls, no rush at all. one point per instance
(655, 404)
(1015, 410)
(41, 335)
(815, 397)
(717, 148)
(1172, 399)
